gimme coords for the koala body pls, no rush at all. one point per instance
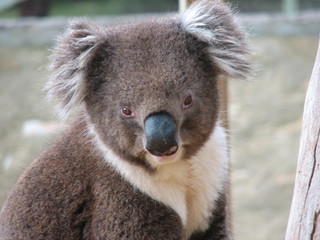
(145, 157)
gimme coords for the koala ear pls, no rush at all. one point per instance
(68, 64)
(213, 22)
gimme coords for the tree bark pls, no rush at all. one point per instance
(304, 219)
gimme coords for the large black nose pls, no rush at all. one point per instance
(160, 131)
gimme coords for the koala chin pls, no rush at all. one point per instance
(145, 156)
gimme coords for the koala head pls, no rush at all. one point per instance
(149, 90)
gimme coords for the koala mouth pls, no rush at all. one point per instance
(168, 156)
(162, 159)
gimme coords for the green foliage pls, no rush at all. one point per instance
(10, 13)
(103, 7)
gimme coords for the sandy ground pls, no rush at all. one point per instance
(265, 128)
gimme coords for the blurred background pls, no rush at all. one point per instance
(265, 114)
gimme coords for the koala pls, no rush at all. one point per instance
(144, 156)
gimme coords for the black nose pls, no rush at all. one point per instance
(160, 131)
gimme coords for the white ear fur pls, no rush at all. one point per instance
(213, 22)
(68, 61)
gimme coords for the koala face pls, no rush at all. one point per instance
(146, 81)
(149, 89)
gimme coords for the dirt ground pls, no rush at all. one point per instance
(265, 119)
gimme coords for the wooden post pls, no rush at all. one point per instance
(304, 219)
(183, 4)
(36, 8)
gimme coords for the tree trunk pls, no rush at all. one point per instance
(304, 219)
(36, 8)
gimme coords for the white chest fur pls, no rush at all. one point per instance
(189, 187)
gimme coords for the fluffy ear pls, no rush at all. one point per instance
(213, 22)
(68, 64)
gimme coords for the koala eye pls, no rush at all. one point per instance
(126, 112)
(187, 102)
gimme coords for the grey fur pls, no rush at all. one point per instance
(72, 191)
